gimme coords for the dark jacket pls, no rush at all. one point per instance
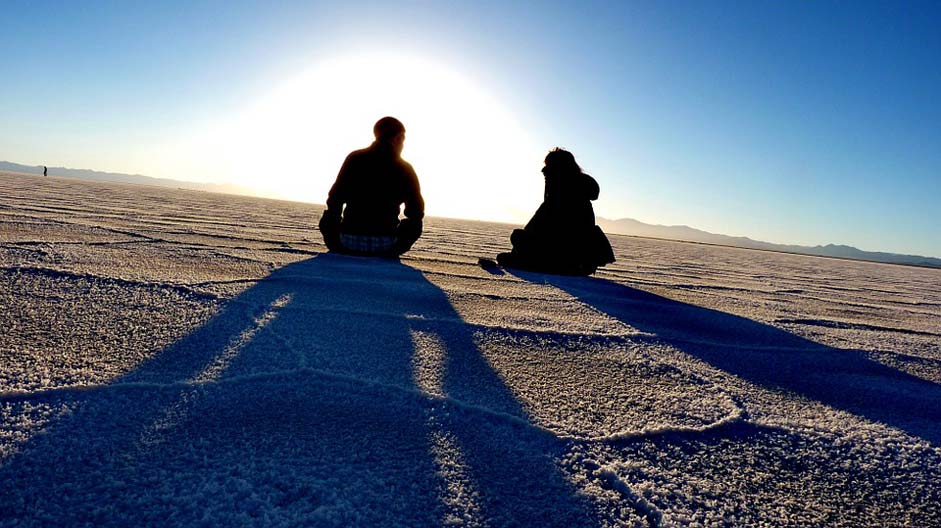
(373, 183)
(562, 236)
(566, 209)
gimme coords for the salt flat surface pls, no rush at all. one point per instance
(185, 358)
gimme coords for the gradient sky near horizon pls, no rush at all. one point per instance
(789, 122)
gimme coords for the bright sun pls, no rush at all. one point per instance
(473, 159)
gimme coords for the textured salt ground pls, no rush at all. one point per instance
(188, 358)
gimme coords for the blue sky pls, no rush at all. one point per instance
(808, 123)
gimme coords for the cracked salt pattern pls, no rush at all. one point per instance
(186, 358)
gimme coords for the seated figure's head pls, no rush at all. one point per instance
(560, 162)
(391, 131)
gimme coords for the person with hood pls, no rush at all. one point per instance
(562, 236)
(363, 206)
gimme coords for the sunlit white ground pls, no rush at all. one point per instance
(174, 357)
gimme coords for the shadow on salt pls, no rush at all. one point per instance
(768, 356)
(306, 399)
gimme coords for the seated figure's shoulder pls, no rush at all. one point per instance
(358, 154)
(406, 166)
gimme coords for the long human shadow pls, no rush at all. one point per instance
(379, 313)
(301, 392)
(768, 356)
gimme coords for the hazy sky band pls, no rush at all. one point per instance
(788, 122)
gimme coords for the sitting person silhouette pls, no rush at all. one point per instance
(362, 215)
(562, 236)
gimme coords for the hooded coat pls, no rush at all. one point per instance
(562, 236)
(566, 208)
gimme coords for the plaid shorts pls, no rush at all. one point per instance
(367, 244)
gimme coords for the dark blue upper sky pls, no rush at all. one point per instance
(807, 122)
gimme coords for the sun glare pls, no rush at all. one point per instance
(474, 160)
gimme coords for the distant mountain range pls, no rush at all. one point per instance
(629, 226)
(84, 174)
(624, 226)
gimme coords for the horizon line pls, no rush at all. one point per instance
(259, 194)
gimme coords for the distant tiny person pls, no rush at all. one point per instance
(562, 236)
(45, 171)
(363, 206)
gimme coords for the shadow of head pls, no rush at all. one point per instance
(309, 374)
